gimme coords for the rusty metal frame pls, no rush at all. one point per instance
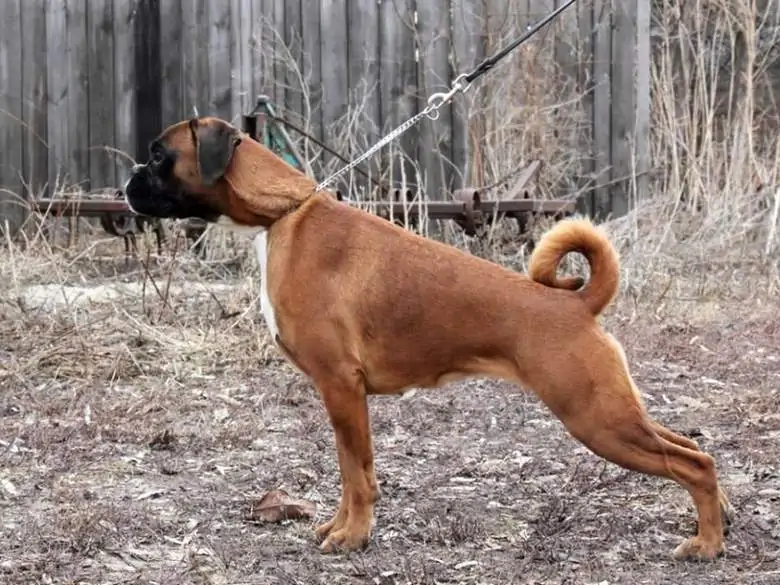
(464, 211)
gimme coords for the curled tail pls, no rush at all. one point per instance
(578, 235)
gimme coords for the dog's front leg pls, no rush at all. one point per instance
(345, 401)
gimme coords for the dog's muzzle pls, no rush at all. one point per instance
(139, 193)
(148, 194)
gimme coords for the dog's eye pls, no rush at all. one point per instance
(157, 156)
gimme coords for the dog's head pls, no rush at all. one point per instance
(205, 168)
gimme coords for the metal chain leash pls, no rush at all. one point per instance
(431, 111)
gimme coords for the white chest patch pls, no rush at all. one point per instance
(243, 230)
(262, 249)
(260, 236)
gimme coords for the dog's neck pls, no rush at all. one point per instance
(262, 188)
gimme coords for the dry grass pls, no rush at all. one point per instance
(142, 404)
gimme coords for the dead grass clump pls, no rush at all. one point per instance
(458, 526)
(79, 528)
(710, 227)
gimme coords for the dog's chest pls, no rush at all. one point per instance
(267, 309)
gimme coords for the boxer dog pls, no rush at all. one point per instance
(362, 307)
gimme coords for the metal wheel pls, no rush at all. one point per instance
(118, 224)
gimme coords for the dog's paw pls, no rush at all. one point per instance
(336, 523)
(697, 549)
(344, 540)
(323, 530)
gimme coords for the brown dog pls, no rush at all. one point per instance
(364, 307)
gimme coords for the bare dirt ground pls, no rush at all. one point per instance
(129, 452)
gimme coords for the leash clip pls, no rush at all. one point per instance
(437, 100)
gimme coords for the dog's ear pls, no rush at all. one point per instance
(215, 143)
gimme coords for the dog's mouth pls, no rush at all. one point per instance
(148, 195)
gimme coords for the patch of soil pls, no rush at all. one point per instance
(149, 480)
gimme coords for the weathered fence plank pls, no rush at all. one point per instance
(363, 76)
(245, 52)
(58, 136)
(643, 99)
(195, 60)
(565, 29)
(335, 59)
(601, 119)
(147, 75)
(193, 87)
(584, 72)
(363, 71)
(219, 61)
(100, 19)
(279, 53)
(201, 58)
(77, 158)
(433, 32)
(173, 105)
(467, 51)
(11, 127)
(623, 110)
(310, 32)
(34, 95)
(293, 96)
(262, 68)
(241, 57)
(398, 88)
(124, 87)
(236, 46)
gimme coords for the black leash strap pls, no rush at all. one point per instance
(491, 62)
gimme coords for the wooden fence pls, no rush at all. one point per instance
(85, 84)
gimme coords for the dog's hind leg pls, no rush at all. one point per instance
(627, 437)
(345, 400)
(726, 509)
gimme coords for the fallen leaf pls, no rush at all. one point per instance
(278, 505)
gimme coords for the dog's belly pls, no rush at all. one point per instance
(262, 250)
(400, 377)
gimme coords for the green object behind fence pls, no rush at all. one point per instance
(261, 125)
